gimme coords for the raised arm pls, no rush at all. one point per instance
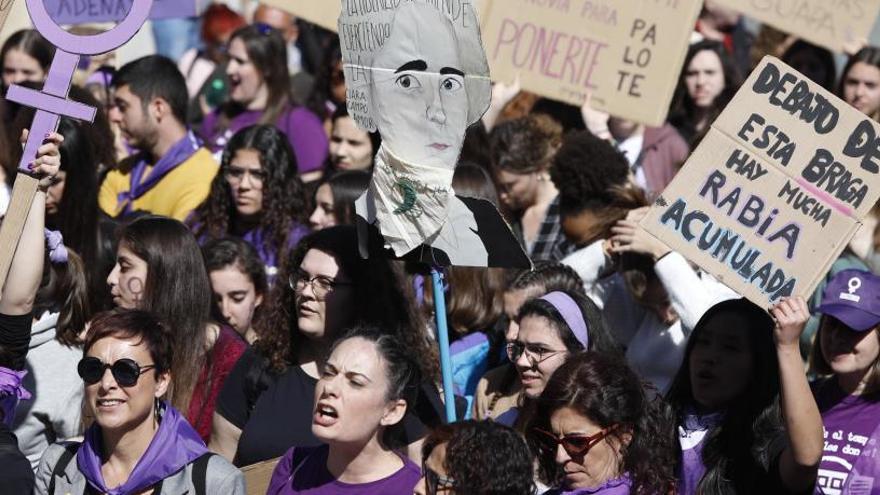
(26, 269)
(799, 462)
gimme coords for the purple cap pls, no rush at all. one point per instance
(853, 297)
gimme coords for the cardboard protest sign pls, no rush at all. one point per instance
(51, 103)
(416, 72)
(822, 22)
(324, 13)
(5, 7)
(89, 11)
(628, 53)
(776, 189)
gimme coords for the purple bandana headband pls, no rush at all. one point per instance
(11, 391)
(571, 313)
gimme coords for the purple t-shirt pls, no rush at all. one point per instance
(304, 130)
(309, 476)
(849, 421)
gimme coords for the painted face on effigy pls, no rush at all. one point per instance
(419, 99)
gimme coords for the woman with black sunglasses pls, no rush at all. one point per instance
(597, 431)
(138, 443)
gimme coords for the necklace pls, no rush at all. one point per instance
(410, 188)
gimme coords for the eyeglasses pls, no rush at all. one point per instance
(321, 285)
(534, 353)
(125, 371)
(574, 445)
(434, 482)
(236, 174)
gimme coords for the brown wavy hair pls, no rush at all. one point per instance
(380, 299)
(526, 144)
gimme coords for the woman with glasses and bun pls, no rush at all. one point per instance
(266, 405)
(551, 328)
(257, 196)
(598, 431)
(138, 443)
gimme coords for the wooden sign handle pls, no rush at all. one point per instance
(23, 192)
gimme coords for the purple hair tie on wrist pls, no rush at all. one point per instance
(57, 249)
(11, 391)
(571, 313)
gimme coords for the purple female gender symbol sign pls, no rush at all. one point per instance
(52, 102)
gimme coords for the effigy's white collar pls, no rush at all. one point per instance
(410, 201)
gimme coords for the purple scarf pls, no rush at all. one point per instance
(174, 445)
(616, 486)
(180, 152)
(11, 391)
(690, 436)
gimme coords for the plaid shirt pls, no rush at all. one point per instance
(550, 244)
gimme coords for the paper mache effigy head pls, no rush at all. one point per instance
(416, 74)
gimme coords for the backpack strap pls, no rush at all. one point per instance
(200, 473)
(69, 453)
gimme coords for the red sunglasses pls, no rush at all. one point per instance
(574, 445)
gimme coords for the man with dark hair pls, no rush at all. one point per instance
(170, 173)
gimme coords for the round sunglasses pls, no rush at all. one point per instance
(576, 446)
(125, 371)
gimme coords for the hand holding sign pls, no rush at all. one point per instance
(776, 189)
(51, 103)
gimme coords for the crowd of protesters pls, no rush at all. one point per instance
(188, 298)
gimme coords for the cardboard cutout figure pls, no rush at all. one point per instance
(416, 71)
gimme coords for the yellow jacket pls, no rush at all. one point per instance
(175, 196)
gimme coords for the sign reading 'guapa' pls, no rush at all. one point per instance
(829, 23)
(627, 53)
(776, 189)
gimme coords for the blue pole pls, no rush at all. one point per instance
(443, 340)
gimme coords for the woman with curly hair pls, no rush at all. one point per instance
(326, 288)
(598, 431)
(475, 458)
(522, 152)
(257, 196)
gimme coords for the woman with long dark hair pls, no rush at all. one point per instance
(860, 82)
(259, 93)
(598, 431)
(238, 278)
(709, 79)
(25, 56)
(325, 288)
(746, 418)
(159, 268)
(335, 197)
(257, 196)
